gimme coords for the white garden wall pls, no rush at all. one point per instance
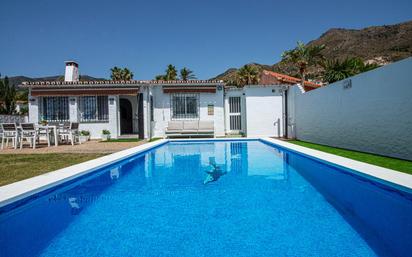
(373, 115)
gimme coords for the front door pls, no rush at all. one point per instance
(126, 117)
(235, 114)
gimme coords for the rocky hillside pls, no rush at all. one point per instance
(378, 44)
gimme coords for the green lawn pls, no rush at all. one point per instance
(386, 162)
(117, 140)
(129, 140)
(154, 139)
(15, 167)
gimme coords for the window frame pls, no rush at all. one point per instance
(178, 98)
(60, 103)
(99, 106)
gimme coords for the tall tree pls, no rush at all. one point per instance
(335, 70)
(160, 77)
(303, 57)
(121, 74)
(186, 74)
(248, 75)
(127, 74)
(171, 73)
(7, 96)
(116, 73)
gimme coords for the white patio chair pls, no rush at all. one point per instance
(44, 131)
(9, 132)
(64, 131)
(72, 133)
(28, 132)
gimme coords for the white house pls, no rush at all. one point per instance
(125, 107)
(145, 108)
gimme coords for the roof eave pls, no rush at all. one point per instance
(122, 83)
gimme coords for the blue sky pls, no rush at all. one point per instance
(207, 36)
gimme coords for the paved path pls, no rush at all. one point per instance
(88, 147)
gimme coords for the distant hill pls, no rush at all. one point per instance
(17, 80)
(377, 44)
(22, 93)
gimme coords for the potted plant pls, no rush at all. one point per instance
(84, 136)
(105, 135)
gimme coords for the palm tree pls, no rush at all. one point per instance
(335, 70)
(116, 73)
(7, 96)
(186, 74)
(303, 57)
(121, 74)
(127, 74)
(248, 75)
(171, 73)
(160, 77)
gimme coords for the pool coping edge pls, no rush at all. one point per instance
(384, 174)
(21, 189)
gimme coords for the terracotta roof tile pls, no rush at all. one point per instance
(120, 83)
(271, 76)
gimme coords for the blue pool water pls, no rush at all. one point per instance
(271, 202)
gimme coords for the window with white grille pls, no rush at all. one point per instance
(184, 106)
(94, 108)
(54, 108)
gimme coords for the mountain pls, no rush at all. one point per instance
(377, 44)
(17, 80)
(22, 93)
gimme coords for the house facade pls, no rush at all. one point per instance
(132, 107)
(144, 108)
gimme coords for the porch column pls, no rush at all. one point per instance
(114, 123)
(73, 109)
(34, 110)
(146, 119)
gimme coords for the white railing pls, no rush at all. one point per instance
(13, 118)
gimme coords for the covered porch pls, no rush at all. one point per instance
(117, 108)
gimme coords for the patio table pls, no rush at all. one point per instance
(50, 128)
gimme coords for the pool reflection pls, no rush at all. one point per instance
(192, 160)
(45, 216)
(41, 219)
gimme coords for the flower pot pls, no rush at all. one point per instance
(83, 139)
(105, 137)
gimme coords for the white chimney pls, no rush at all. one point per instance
(72, 71)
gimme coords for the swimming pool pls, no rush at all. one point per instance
(269, 201)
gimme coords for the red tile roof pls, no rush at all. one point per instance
(271, 77)
(120, 83)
